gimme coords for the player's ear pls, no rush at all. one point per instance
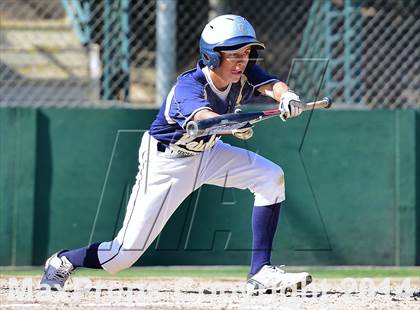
(219, 59)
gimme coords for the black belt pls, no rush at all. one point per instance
(161, 147)
(179, 153)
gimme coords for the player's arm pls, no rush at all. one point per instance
(280, 92)
(204, 114)
(274, 90)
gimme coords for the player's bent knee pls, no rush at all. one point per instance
(276, 180)
(274, 177)
(272, 188)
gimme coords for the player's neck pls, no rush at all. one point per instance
(218, 82)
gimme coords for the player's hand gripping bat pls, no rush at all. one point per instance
(227, 122)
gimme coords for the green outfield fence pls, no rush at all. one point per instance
(352, 187)
(70, 52)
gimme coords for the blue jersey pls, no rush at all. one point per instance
(192, 93)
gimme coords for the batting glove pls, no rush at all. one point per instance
(288, 109)
(243, 133)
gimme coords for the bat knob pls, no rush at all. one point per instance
(329, 100)
(192, 128)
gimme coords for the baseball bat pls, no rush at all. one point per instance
(325, 103)
(227, 122)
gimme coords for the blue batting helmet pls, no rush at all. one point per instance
(226, 32)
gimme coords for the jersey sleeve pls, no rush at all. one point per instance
(257, 76)
(187, 99)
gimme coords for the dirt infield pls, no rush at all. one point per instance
(194, 293)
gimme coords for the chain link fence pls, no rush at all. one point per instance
(78, 52)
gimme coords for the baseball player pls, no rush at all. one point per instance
(176, 164)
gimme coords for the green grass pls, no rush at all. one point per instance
(227, 272)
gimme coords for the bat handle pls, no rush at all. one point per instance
(297, 103)
(325, 103)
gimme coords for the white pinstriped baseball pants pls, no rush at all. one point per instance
(162, 184)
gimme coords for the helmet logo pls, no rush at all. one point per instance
(241, 27)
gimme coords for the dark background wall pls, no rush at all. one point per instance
(352, 187)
